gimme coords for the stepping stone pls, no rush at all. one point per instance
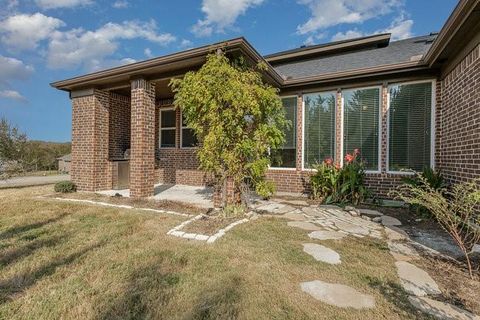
(338, 295)
(311, 211)
(394, 233)
(294, 216)
(271, 207)
(326, 235)
(390, 221)
(304, 225)
(285, 209)
(441, 310)
(370, 213)
(476, 248)
(321, 253)
(415, 280)
(351, 228)
(402, 252)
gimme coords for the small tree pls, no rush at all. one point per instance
(12, 148)
(236, 117)
(456, 210)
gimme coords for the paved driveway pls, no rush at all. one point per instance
(33, 181)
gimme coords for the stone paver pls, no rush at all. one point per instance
(326, 235)
(394, 233)
(294, 216)
(402, 251)
(441, 310)
(338, 295)
(390, 221)
(415, 280)
(304, 225)
(321, 253)
(370, 213)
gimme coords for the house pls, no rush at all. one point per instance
(64, 163)
(405, 104)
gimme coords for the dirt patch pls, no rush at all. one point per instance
(139, 203)
(209, 225)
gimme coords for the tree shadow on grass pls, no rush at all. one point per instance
(395, 294)
(149, 289)
(10, 288)
(219, 301)
(16, 231)
(14, 255)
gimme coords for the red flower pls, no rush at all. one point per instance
(337, 166)
(349, 158)
(328, 161)
(356, 152)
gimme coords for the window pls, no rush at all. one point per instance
(410, 126)
(319, 131)
(285, 156)
(168, 120)
(188, 136)
(361, 124)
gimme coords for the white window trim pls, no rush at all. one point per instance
(160, 129)
(303, 126)
(380, 87)
(296, 147)
(432, 125)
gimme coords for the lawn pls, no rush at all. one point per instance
(63, 260)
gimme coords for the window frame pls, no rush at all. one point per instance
(160, 129)
(335, 92)
(342, 129)
(181, 133)
(296, 137)
(433, 82)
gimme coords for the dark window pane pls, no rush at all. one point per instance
(410, 126)
(167, 138)
(360, 123)
(168, 119)
(285, 157)
(188, 138)
(319, 127)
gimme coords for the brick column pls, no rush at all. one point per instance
(90, 135)
(142, 157)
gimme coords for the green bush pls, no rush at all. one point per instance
(428, 177)
(65, 187)
(340, 185)
(265, 189)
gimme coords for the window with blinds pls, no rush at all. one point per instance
(189, 139)
(410, 127)
(319, 131)
(285, 157)
(361, 124)
(168, 119)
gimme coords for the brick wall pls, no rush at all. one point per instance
(120, 121)
(90, 132)
(459, 142)
(142, 159)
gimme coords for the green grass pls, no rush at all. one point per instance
(73, 261)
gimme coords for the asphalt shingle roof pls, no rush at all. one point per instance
(396, 52)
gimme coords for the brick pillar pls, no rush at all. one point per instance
(90, 136)
(142, 157)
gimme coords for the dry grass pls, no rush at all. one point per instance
(72, 261)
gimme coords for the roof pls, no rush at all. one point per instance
(396, 52)
(67, 157)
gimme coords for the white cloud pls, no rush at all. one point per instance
(221, 14)
(55, 4)
(12, 94)
(400, 28)
(327, 13)
(23, 31)
(350, 34)
(91, 49)
(148, 53)
(185, 43)
(13, 69)
(120, 4)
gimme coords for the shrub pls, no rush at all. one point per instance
(340, 185)
(65, 187)
(265, 189)
(456, 210)
(432, 178)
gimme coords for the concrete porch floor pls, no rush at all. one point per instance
(197, 196)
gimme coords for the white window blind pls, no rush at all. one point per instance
(285, 157)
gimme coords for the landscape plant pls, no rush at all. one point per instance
(237, 119)
(456, 210)
(65, 187)
(340, 185)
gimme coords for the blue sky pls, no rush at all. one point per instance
(42, 41)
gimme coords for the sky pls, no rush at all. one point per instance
(42, 41)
